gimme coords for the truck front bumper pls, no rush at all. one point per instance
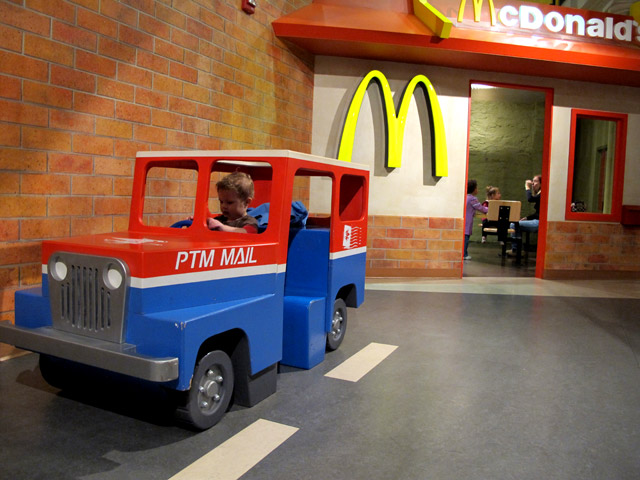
(115, 357)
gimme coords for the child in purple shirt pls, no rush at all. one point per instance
(473, 204)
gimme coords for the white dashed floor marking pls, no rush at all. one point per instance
(357, 366)
(236, 456)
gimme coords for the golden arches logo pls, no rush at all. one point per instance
(477, 9)
(395, 123)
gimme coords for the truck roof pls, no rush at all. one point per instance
(248, 155)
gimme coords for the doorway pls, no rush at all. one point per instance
(509, 142)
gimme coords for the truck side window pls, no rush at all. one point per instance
(261, 174)
(170, 194)
(352, 199)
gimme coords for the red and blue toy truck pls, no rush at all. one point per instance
(207, 314)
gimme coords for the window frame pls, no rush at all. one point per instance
(618, 166)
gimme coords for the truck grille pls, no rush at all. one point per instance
(88, 295)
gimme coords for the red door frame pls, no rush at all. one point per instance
(546, 155)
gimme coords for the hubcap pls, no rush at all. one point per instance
(336, 324)
(210, 390)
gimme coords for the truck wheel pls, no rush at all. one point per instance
(338, 325)
(211, 390)
(57, 372)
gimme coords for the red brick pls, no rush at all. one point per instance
(209, 113)
(18, 159)
(151, 98)
(47, 95)
(114, 166)
(71, 205)
(170, 16)
(156, 28)
(161, 118)
(23, 206)
(136, 38)
(195, 125)
(115, 89)
(93, 104)
(147, 6)
(42, 228)
(197, 61)
(441, 245)
(153, 62)
(144, 133)
(22, 113)
(122, 186)
(211, 19)
(167, 85)
(91, 225)
(169, 50)
(24, 19)
(10, 183)
(9, 230)
(97, 23)
(70, 163)
(135, 75)
(92, 145)
(207, 143)
(68, 77)
(54, 8)
(45, 184)
(111, 206)
(90, 4)
(180, 139)
(134, 113)
(182, 72)
(233, 89)
(110, 48)
(46, 139)
(441, 223)
(125, 148)
(30, 274)
(20, 252)
(91, 185)
(211, 51)
(119, 12)
(11, 39)
(75, 36)
(113, 128)
(95, 64)
(198, 29)
(10, 87)
(183, 106)
(66, 120)
(21, 66)
(220, 131)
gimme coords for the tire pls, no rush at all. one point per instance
(57, 372)
(338, 325)
(210, 394)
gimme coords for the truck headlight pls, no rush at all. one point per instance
(58, 269)
(113, 277)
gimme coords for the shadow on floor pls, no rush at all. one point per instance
(487, 261)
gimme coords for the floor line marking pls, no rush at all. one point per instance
(236, 456)
(361, 363)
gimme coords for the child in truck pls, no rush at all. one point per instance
(235, 192)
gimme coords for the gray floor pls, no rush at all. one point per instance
(481, 386)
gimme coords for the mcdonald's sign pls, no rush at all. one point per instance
(395, 123)
(477, 10)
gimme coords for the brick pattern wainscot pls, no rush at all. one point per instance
(601, 249)
(414, 246)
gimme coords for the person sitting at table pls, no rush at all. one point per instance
(530, 222)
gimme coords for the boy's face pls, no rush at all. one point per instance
(230, 204)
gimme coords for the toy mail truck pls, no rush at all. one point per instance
(207, 314)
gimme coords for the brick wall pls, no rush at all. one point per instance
(414, 246)
(602, 249)
(85, 84)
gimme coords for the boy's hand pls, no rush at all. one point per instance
(527, 184)
(214, 224)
